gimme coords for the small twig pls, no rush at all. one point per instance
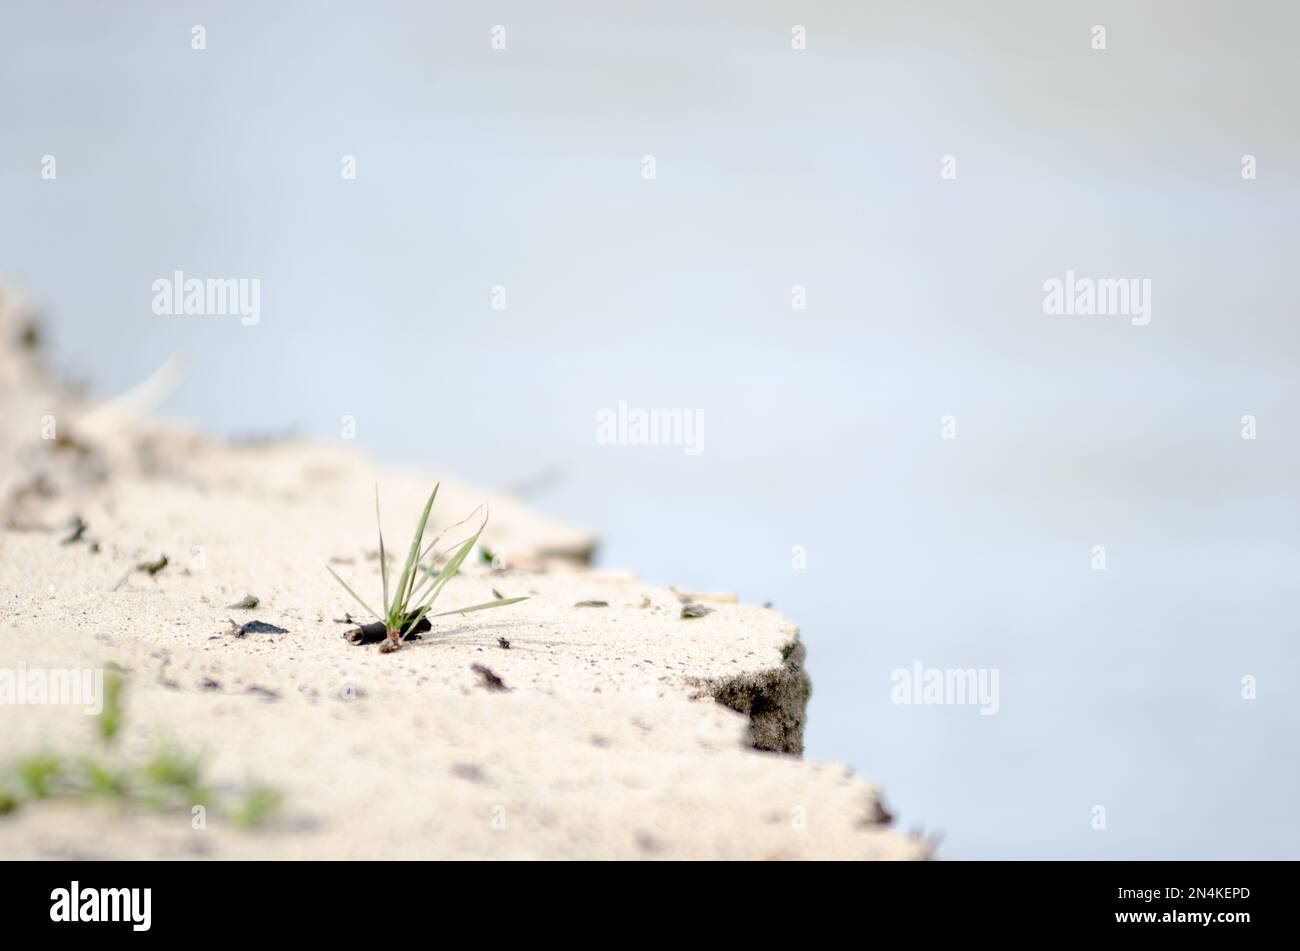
(151, 568)
(377, 631)
(78, 530)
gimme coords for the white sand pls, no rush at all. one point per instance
(608, 744)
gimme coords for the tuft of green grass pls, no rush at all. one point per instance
(8, 802)
(173, 768)
(408, 602)
(109, 720)
(38, 774)
(101, 780)
(259, 804)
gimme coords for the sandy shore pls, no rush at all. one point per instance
(626, 730)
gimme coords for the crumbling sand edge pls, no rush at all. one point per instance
(775, 700)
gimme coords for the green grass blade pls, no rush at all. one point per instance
(429, 574)
(452, 566)
(349, 590)
(445, 575)
(438, 537)
(481, 607)
(414, 573)
(402, 597)
(383, 555)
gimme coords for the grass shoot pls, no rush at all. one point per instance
(409, 600)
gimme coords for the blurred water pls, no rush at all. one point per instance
(821, 168)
